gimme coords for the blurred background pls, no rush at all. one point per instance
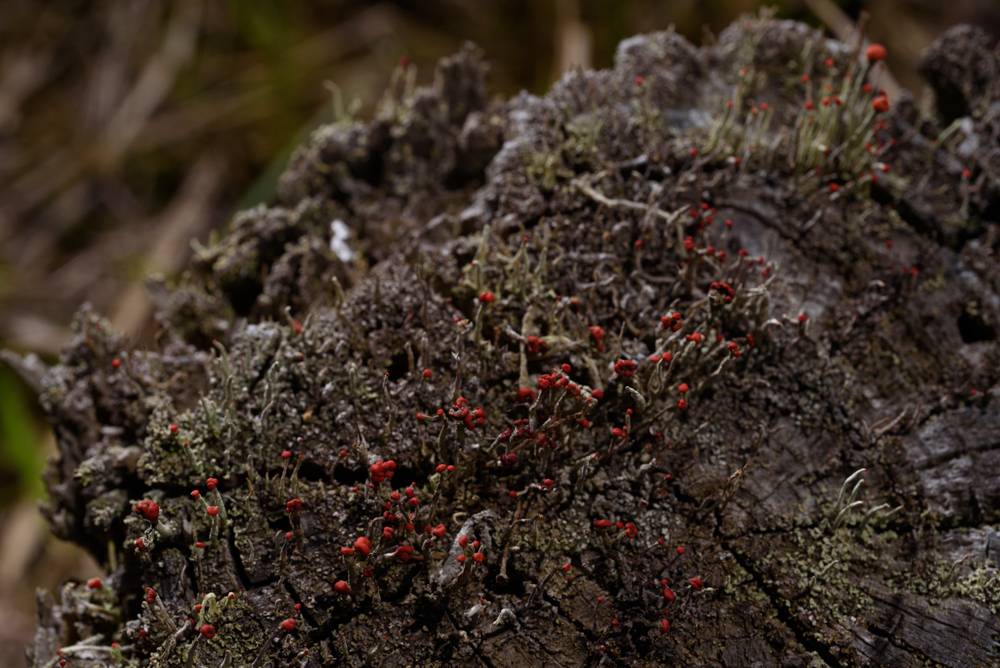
(129, 127)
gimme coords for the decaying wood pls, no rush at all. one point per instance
(560, 207)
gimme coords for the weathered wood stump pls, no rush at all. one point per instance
(588, 373)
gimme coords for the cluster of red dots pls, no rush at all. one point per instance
(534, 345)
(559, 380)
(625, 368)
(470, 417)
(597, 333)
(148, 509)
(381, 471)
(672, 322)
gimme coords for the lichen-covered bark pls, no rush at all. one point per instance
(590, 217)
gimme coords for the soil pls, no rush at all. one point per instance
(452, 282)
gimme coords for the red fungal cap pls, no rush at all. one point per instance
(288, 624)
(724, 289)
(625, 368)
(363, 545)
(876, 52)
(669, 594)
(880, 103)
(286, 454)
(173, 429)
(148, 509)
(115, 363)
(212, 510)
(342, 587)
(427, 373)
(664, 626)
(680, 550)
(487, 297)
(802, 317)
(347, 552)
(95, 583)
(478, 557)
(602, 524)
(211, 483)
(460, 558)
(697, 583)
(439, 531)
(196, 494)
(208, 631)
(567, 568)
(200, 545)
(683, 388)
